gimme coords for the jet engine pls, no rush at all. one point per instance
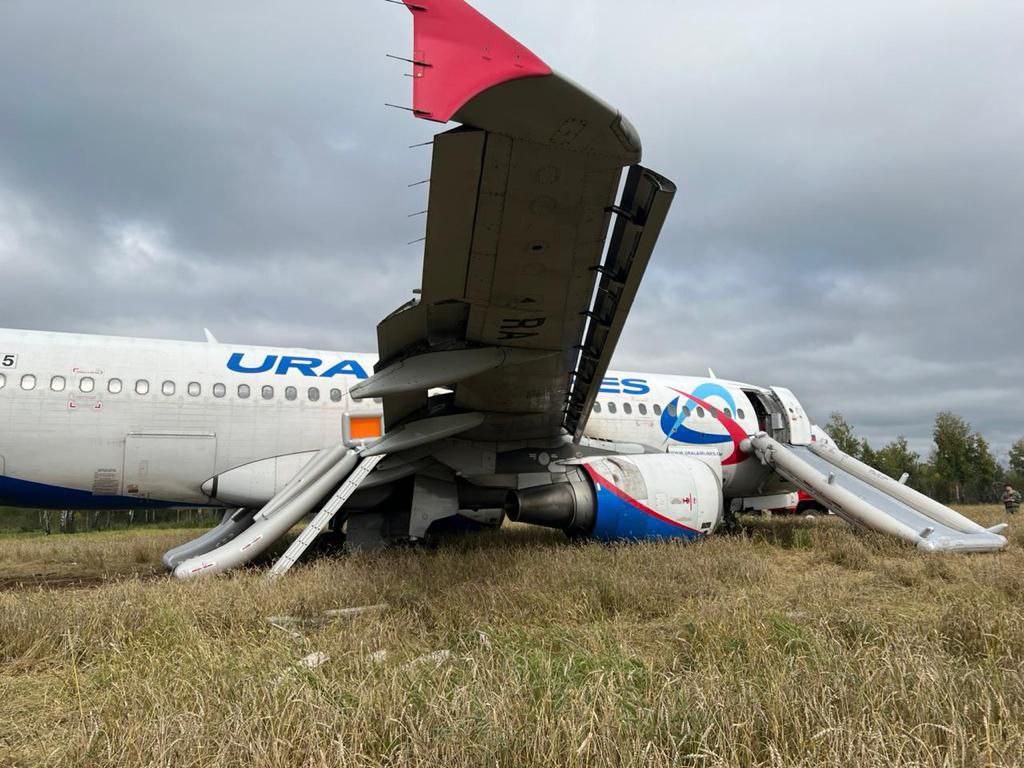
(612, 498)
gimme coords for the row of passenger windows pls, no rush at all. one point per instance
(87, 384)
(673, 411)
(627, 408)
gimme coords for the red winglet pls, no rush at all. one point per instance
(460, 53)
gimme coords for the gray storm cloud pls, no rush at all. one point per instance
(849, 224)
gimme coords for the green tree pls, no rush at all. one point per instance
(896, 459)
(866, 454)
(839, 429)
(1017, 458)
(952, 456)
(928, 482)
(983, 472)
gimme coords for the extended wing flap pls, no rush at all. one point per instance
(455, 180)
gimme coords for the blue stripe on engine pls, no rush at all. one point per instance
(618, 520)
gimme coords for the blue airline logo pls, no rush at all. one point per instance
(614, 386)
(679, 410)
(307, 366)
(674, 417)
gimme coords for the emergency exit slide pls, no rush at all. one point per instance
(325, 471)
(864, 496)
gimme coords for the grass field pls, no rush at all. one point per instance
(801, 644)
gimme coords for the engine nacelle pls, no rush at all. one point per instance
(650, 496)
(253, 485)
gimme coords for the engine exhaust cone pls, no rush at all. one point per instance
(563, 506)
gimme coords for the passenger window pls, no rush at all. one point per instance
(740, 413)
(612, 408)
(335, 395)
(657, 410)
(597, 407)
(141, 387)
(627, 408)
(290, 393)
(57, 383)
(114, 386)
(28, 381)
(673, 409)
(194, 389)
(643, 409)
(167, 388)
(244, 391)
(686, 411)
(314, 394)
(87, 384)
(728, 413)
(267, 392)
(3, 381)
(700, 412)
(219, 390)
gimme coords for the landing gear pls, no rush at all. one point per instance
(810, 508)
(331, 542)
(730, 525)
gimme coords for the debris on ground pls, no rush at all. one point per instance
(437, 658)
(314, 660)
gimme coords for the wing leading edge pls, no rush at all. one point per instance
(521, 200)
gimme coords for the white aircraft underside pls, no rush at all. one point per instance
(490, 394)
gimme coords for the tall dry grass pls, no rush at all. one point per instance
(85, 557)
(801, 644)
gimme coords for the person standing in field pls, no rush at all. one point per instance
(1011, 500)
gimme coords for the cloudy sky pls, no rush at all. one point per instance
(850, 223)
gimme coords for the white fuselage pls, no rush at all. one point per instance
(100, 421)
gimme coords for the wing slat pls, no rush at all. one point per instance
(645, 205)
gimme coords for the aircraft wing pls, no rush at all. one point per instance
(521, 306)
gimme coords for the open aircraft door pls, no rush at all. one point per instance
(799, 424)
(169, 465)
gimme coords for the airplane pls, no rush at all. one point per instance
(490, 395)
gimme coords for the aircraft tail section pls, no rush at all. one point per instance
(865, 497)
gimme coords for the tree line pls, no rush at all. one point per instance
(960, 469)
(81, 521)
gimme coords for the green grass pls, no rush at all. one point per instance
(800, 644)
